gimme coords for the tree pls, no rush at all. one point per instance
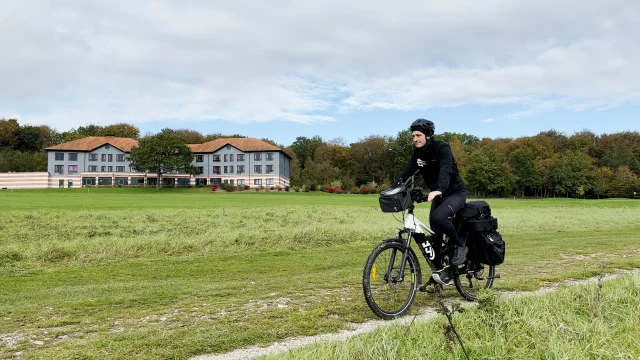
(466, 139)
(370, 159)
(9, 133)
(162, 153)
(625, 182)
(573, 170)
(89, 130)
(121, 130)
(603, 179)
(29, 139)
(524, 167)
(305, 148)
(190, 136)
(488, 172)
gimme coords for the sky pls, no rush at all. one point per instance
(339, 70)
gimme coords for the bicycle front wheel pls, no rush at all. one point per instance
(389, 290)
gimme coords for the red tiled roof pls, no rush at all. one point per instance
(92, 142)
(243, 144)
(125, 144)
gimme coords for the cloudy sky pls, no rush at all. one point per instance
(282, 69)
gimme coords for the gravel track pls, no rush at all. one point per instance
(426, 314)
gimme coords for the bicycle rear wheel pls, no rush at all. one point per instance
(473, 278)
(388, 291)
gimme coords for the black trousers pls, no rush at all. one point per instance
(441, 209)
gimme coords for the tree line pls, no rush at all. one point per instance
(549, 164)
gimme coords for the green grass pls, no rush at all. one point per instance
(117, 273)
(583, 322)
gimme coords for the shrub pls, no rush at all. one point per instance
(214, 187)
(286, 188)
(279, 189)
(355, 190)
(246, 187)
(272, 188)
(365, 191)
(373, 191)
(384, 187)
(339, 191)
(330, 189)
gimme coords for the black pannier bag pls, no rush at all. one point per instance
(486, 247)
(482, 238)
(475, 209)
(480, 225)
(395, 200)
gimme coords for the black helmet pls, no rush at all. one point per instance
(426, 127)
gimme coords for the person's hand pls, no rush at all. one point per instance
(433, 194)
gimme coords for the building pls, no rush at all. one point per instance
(103, 161)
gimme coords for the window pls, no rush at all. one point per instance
(240, 169)
(110, 157)
(270, 181)
(216, 158)
(231, 181)
(93, 157)
(226, 157)
(216, 170)
(240, 157)
(93, 168)
(58, 169)
(269, 157)
(230, 169)
(257, 182)
(200, 170)
(110, 168)
(257, 156)
(103, 169)
(240, 182)
(199, 158)
(73, 169)
(104, 157)
(73, 156)
(230, 157)
(269, 169)
(119, 168)
(226, 168)
(120, 157)
(257, 169)
(59, 156)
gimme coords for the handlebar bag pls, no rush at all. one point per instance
(395, 200)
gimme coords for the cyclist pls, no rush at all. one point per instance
(434, 160)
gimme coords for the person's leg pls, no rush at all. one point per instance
(440, 223)
(440, 213)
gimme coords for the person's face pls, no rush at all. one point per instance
(419, 140)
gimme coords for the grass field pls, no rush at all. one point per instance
(121, 273)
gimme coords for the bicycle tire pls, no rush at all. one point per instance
(474, 271)
(378, 289)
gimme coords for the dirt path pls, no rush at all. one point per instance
(426, 315)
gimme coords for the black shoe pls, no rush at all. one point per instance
(429, 286)
(459, 255)
(443, 277)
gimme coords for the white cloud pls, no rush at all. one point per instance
(79, 62)
(489, 120)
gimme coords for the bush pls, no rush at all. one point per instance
(272, 188)
(246, 187)
(286, 188)
(373, 191)
(331, 190)
(279, 189)
(339, 191)
(214, 187)
(365, 191)
(355, 190)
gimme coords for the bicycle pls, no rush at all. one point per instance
(390, 287)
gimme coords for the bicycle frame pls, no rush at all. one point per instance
(412, 226)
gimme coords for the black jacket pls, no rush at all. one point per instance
(437, 167)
